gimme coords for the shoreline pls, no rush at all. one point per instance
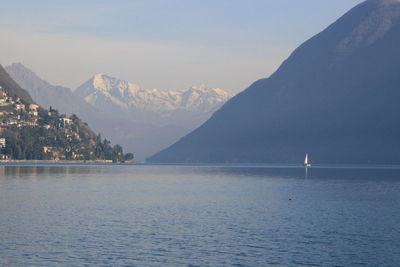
(66, 161)
(218, 165)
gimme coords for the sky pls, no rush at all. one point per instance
(164, 44)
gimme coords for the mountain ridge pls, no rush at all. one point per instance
(106, 91)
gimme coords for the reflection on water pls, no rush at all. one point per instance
(35, 171)
(263, 171)
(113, 215)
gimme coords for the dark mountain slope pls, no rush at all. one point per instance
(336, 97)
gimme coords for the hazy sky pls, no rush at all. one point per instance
(166, 44)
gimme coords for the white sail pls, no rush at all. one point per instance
(306, 162)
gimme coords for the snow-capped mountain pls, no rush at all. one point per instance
(110, 93)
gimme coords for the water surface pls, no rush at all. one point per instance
(99, 215)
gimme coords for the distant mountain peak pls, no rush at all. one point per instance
(18, 65)
(106, 83)
(12, 88)
(26, 77)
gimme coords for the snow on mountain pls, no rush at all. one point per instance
(111, 93)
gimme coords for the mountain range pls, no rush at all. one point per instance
(336, 97)
(105, 91)
(143, 120)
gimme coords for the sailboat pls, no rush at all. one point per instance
(307, 162)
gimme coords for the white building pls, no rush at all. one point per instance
(66, 120)
(19, 106)
(2, 142)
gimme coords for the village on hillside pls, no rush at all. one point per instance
(28, 132)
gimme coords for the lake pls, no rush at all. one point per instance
(145, 215)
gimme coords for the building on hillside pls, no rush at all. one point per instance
(3, 142)
(33, 107)
(19, 106)
(34, 113)
(47, 149)
(3, 94)
(67, 121)
(28, 123)
(33, 110)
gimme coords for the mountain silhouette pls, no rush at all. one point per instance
(336, 98)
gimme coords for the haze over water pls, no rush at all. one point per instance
(198, 216)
